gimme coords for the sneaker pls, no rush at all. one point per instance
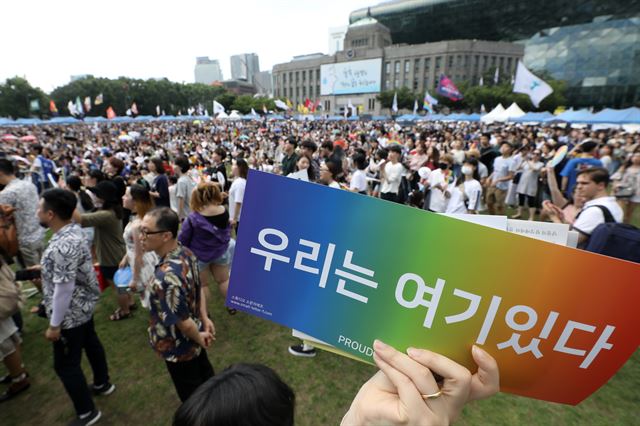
(91, 419)
(104, 390)
(298, 350)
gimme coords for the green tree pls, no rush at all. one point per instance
(16, 97)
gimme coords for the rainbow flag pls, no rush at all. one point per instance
(429, 102)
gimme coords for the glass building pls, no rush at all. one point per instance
(599, 61)
(591, 44)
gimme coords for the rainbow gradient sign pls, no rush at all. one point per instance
(348, 269)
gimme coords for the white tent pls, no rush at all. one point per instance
(222, 115)
(514, 111)
(235, 115)
(496, 114)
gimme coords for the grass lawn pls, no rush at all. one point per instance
(324, 385)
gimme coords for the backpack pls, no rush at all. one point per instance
(8, 232)
(10, 296)
(615, 239)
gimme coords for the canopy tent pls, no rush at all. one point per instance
(235, 115)
(496, 114)
(532, 117)
(380, 118)
(408, 117)
(461, 117)
(571, 116)
(617, 116)
(514, 111)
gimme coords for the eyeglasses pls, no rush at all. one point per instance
(146, 233)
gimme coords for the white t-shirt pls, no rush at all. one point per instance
(472, 192)
(173, 200)
(236, 195)
(335, 185)
(590, 217)
(358, 181)
(393, 176)
(438, 202)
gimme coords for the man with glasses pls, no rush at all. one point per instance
(179, 329)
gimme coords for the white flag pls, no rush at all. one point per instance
(72, 108)
(217, 108)
(157, 109)
(253, 112)
(527, 83)
(394, 106)
(415, 107)
(281, 104)
(481, 82)
(496, 76)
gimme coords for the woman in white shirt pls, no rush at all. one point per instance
(359, 177)
(465, 198)
(240, 170)
(439, 181)
(527, 186)
(328, 173)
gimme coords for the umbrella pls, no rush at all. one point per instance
(243, 137)
(125, 138)
(28, 138)
(9, 137)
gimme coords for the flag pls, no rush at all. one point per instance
(447, 89)
(52, 107)
(134, 109)
(34, 105)
(289, 104)
(528, 84)
(429, 102)
(111, 114)
(72, 108)
(253, 112)
(415, 107)
(281, 104)
(496, 76)
(352, 109)
(157, 109)
(98, 100)
(481, 82)
(264, 109)
(317, 106)
(513, 79)
(87, 103)
(128, 112)
(79, 110)
(483, 110)
(217, 108)
(307, 103)
(394, 105)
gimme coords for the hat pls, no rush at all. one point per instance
(341, 143)
(106, 190)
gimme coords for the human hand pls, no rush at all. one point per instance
(447, 194)
(233, 222)
(209, 326)
(205, 338)
(394, 395)
(123, 263)
(52, 334)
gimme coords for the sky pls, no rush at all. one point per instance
(49, 41)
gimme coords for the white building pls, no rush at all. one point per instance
(245, 66)
(207, 70)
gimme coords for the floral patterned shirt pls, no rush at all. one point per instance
(23, 196)
(67, 259)
(174, 297)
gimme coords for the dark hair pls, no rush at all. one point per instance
(360, 161)
(396, 149)
(37, 148)
(142, 199)
(309, 144)
(243, 167)
(474, 163)
(292, 140)
(159, 165)
(334, 168)
(221, 152)
(97, 175)
(6, 167)
(166, 220)
(327, 145)
(596, 174)
(242, 395)
(383, 153)
(61, 202)
(117, 164)
(183, 163)
(75, 184)
(173, 179)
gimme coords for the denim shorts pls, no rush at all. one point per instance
(225, 259)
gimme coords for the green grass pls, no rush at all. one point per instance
(324, 385)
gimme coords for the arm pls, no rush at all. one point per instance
(186, 233)
(556, 195)
(61, 301)
(87, 220)
(189, 328)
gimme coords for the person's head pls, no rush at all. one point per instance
(326, 149)
(156, 165)
(303, 163)
(73, 183)
(329, 171)
(360, 161)
(242, 395)
(485, 140)
(446, 162)
(7, 171)
(290, 145)
(205, 194)
(159, 230)
(37, 149)
(309, 147)
(114, 166)
(240, 168)
(93, 178)
(588, 147)
(506, 149)
(592, 183)
(56, 207)
(219, 155)
(138, 199)
(635, 159)
(470, 168)
(395, 152)
(182, 165)
(108, 197)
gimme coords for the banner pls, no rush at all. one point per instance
(347, 269)
(447, 89)
(350, 77)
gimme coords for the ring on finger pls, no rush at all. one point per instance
(431, 396)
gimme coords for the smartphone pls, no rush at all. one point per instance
(27, 274)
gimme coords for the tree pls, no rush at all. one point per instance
(406, 98)
(17, 96)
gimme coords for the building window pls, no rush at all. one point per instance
(476, 62)
(396, 83)
(426, 82)
(427, 64)
(406, 66)
(415, 84)
(327, 106)
(318, 90)
(466, 61)
(438, 62)
(450, 62)
(310, 76)
(387, 68)
(509, 63)
(290, 77)
(485, 63)
(372, 104)
(501, 63)
(397, 67)
(459, 61)
(387, 84)
(304, 91)
(297, 92)
(493, 61)
(284, 92)
(416, 66)
(311, 91)
(318, 74)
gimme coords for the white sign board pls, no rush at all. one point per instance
(351, 77)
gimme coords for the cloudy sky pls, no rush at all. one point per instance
(48, 41)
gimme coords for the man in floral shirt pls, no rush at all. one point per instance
(179, 329)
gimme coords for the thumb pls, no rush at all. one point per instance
(486, 381)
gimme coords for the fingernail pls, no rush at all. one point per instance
(478, 352)
(378, 345)
(413, 352)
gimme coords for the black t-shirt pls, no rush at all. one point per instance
(220, 220)
(220, 168)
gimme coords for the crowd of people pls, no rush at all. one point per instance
(160, 204)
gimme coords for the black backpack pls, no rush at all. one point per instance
(615, 239)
